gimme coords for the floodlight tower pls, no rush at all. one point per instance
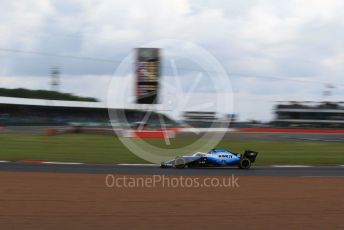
(55, 79)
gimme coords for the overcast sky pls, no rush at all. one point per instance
(272, 50)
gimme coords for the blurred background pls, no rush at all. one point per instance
(58, 60)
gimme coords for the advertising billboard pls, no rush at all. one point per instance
(147, 75)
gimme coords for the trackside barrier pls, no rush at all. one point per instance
(50, 132)
(149, 134)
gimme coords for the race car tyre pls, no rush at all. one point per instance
(179, 163)
(245, 163)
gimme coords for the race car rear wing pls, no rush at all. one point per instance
(251, 155)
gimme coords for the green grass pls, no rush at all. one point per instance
(69, 147)
(109, 149)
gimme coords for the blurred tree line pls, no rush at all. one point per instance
(43, 94)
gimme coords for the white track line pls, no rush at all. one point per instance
(62, 163)
(138, 164)
(291, 166)
(79, 163)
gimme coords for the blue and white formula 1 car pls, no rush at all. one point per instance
(215, 157)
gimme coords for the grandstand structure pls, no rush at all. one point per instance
(39, 112)
(205, 119)
(309, 114)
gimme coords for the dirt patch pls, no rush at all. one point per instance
(82, 201)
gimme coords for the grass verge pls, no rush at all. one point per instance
(109, 149)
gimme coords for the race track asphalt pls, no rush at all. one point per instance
(312, 171)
